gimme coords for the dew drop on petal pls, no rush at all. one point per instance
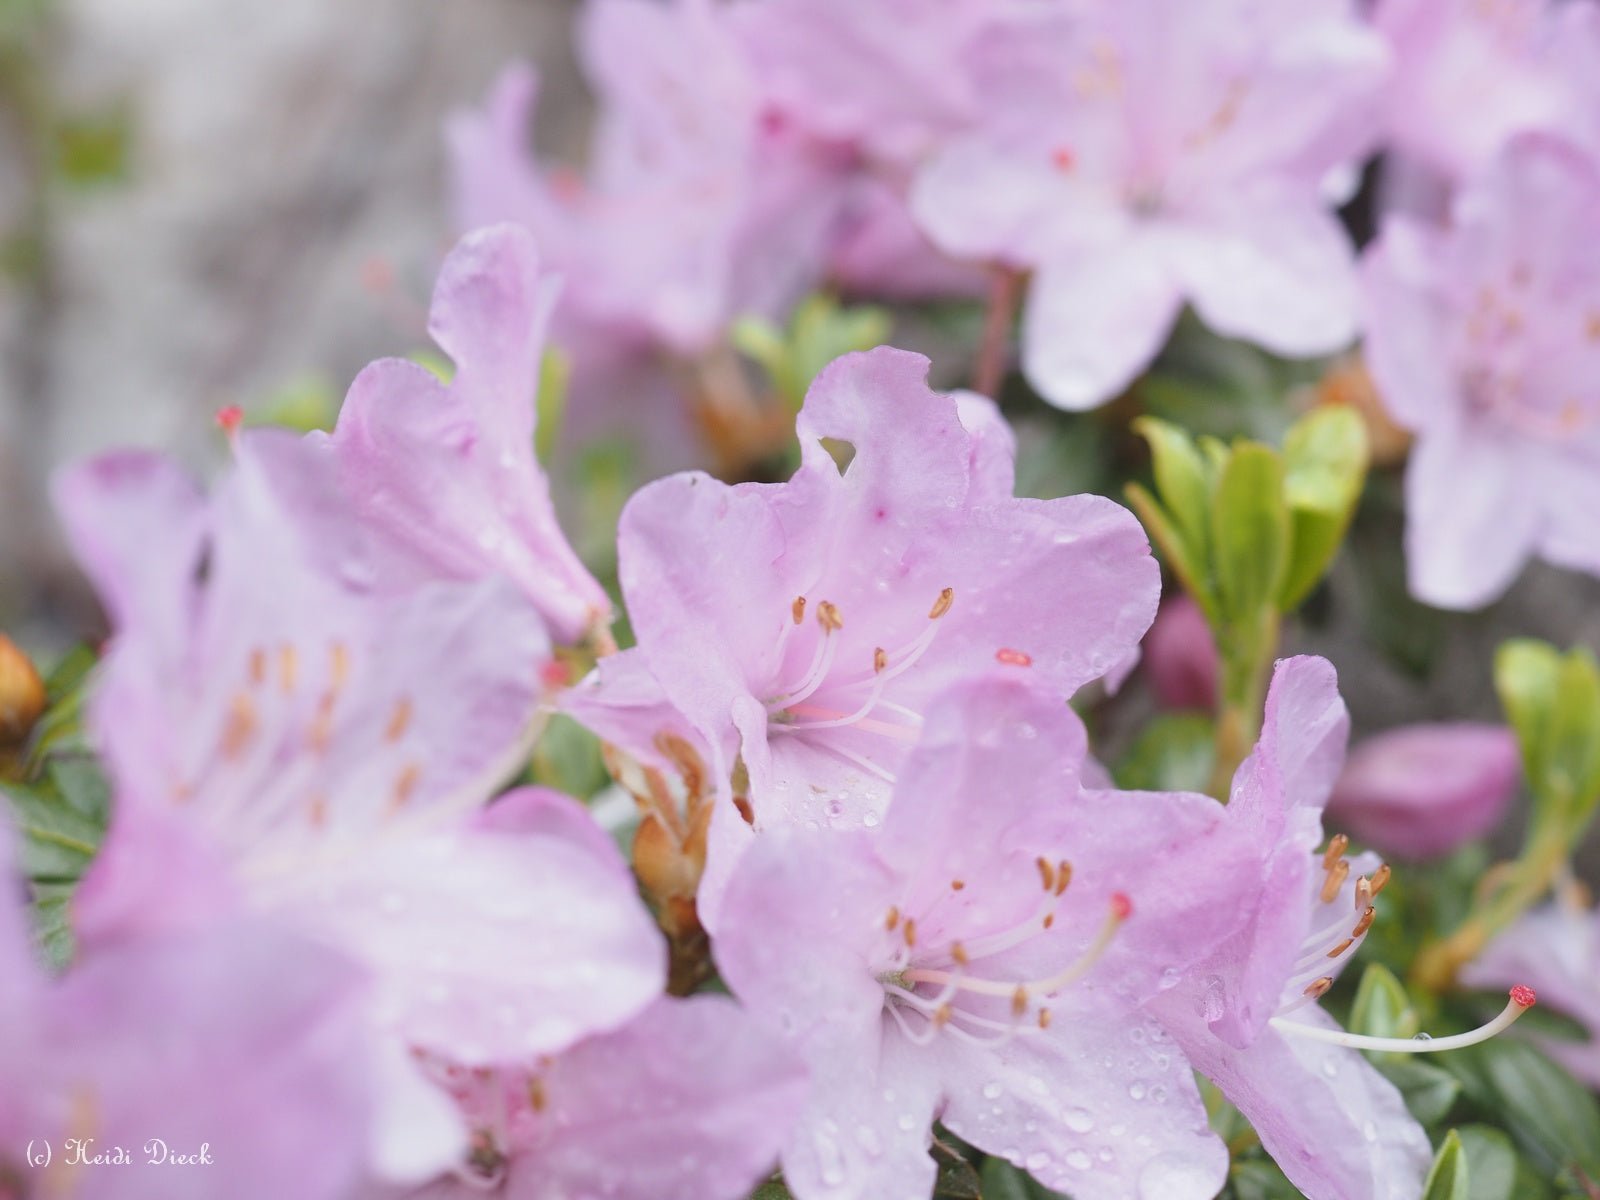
(1170, 1175)
(1079, 1160)
(991, 1091)
(1136, 1091)
(1079, 1120)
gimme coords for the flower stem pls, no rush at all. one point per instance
(1004, 293)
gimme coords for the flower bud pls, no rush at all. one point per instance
(1421, 791)
(22, 696)
(1180, 656)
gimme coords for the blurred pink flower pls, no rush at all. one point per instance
(1484, 339)
(1556, 951)
(1333, 1124)
(1140, 154)
(697, 208)
(1180, 656)
(307, 749)
(1422, 790)
(446, 473)
(801, 627)
(690, 1100)
(979, 961)
(1469, 75)
(237, 1041)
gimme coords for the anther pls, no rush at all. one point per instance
(958, 953)
(1337, 845)
(399, 720)
(288, 667)
(1363, 894)
(405, 784)
(942, 1015)
(1044, 1018)
(747, 813)
(1341, 947)
(1063, 876)
(1380, 878)
(880, 660)
(1013, 658)
(798, 608)
(893, 919)
(1318, 988)
(947, 597)
(1335, 880)
(338, 665)
(1047, 873)
(537, 1100)
(1019, 1001)
(828, 616)
(910, 932)
(956, 885)
(258, 666)
(241, 726)
(1049, 919)
(1365, 923)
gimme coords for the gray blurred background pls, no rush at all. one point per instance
(213, 202)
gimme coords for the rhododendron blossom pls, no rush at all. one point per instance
(1484, 339)
(980, 958)
(1128, 186)
(802, 627)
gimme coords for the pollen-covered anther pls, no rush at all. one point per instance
(1063, 876)
(1363, 894)
(942, 1015)
(947, 597)
(958, 954)
(338, 665)
(1337, 874)
(537, 1099)
(828, 616)
(909, 931)
(1380, 878)
(241, 726)
(1044, 1018)
(798, 609)
(1013, 658)
(1047, 873)
(1365, 922)
(892, 919)
(1341, 947)
(746, 813)
(322, 723)
(1319, 987)
(399, 720)
(1337, 845)
(880, 660)
(1019, 1001)
(957, 884)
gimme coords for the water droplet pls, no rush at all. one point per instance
(1369, 1131)
(906, 1122)
(829, 1160)
(870, 819)
(1079, 1120)
(867, 1139)
(1037, 1160)
(1079, 1160)
(1330, 1067)
(1136, 1091)
(1136, 1034)
(1423, 1037)
(1170, 978)
(1175, 1175)
(835, 808)
(991, 1091)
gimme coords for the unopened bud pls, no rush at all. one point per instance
(22, 696)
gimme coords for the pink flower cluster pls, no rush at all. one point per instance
(319, 921)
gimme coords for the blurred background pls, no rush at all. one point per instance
(205, 204)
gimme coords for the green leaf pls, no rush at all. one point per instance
(1526, 674)
(958, 1178)
(1260, 1179)
(555, 374)
(1551, 1115)
(1182, 482)
(1448, 1178)
(1325, 465)
(1430, 1092)
(52, 919)
(568, 759)
(1572, 744)
(1382, 1008)
(1491, 1163)
(57, 840)
(1174, 547)
(772, 1189)
(1002, 1181)
(1174, 752)
(1249, 533)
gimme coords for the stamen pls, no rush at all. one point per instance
(745, 811)
(1365, 923)
(828, 616)
(258, 666)
(1044, 1018)
(1380, 878)
(1019, 1001)
(1341, 947)
(338, 665)
(910, 932)
(1337, 845)
(241, 726)
(399, 720)
(956, 885)
(959, 954)
(1335, 880)
(1363, 894)
(1522, 998)
(405, 785)
(798, 609)
(893, 919)
(880, 660)
(1318, 988)
(947, 597)
(1064, 876)
(1047, 873)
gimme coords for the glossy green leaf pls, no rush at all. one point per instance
(772, 1189)
(1182, 481)
(1526, 674)
(1430, 1092)
(58, 841)
(1174, 547)
(1448, 1178)
(1572, 745)
(1325, 466)
(1260, 1179)
(1491, 1163)
(1249, 533)
(555, 375)
(1552, 1116)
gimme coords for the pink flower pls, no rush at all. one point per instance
(321, 754)
(446, 472)
(1128, 186)
(1469, 76)
(801, 627)
(1180, 656)
(1423, 790)
(235, 1042)
(688, 1101)
(1556, 950)
(697, 209)
(980, 959)
(1484, 339)
(1335, 1126)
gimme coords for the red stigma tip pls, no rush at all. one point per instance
(1013, 658)
(555, 673)
(1064, 158)
(229, 419)
(1524, 996)
(1121, 906)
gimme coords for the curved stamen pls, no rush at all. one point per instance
(1521, 1000)
(816, 673)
